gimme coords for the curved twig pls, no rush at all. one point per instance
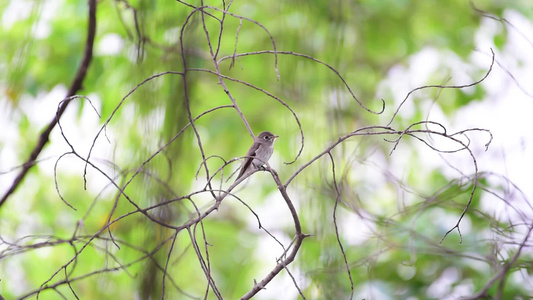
(443, 87)
(75, 86)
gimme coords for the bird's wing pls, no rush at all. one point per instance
(248, 159)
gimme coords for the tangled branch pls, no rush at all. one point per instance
(192, 224)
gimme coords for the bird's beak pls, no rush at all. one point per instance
(276, 136)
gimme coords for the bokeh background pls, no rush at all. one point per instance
(389, 206)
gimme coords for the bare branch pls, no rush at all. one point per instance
(75, 86)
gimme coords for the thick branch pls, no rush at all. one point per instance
(299, 237)
(75, 86)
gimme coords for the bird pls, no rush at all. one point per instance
(259, 153)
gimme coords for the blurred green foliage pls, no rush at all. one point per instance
(397, 256)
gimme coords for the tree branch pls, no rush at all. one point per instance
(75, 86)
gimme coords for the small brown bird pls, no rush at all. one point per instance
(259, 153)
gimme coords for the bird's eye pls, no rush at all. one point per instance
(266, 137)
